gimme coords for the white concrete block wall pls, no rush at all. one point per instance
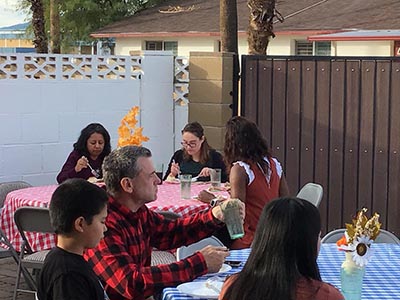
(157, 107)
(41, 119)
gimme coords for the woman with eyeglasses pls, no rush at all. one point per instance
(196, 156)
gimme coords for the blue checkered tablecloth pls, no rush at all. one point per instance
(381, 281)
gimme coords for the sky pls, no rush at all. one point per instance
(8, 14)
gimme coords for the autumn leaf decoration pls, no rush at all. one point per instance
(129, 134)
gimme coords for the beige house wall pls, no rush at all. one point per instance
(280, 45)
(124, 45)
(364, 48)
(185, 44)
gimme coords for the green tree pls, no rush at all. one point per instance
(78, 18)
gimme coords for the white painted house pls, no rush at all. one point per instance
(311, 27)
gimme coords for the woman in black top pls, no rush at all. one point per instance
(196, 156)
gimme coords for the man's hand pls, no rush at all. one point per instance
(215, 257)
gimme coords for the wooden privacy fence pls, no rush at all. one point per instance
(334, 121)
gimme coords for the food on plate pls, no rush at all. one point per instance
(95, 180)
(171, 179)
(214, 285)
(213, 189)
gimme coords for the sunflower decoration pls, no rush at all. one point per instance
(128, 132)
(359, 237)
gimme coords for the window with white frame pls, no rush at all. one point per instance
(163, 46)
(304, 48)
(312, 48)
(322, 48)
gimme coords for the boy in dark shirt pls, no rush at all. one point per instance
(78, 210)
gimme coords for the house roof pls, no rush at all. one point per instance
(313, 17)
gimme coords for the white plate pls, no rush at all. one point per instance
(224, 268)
(199, 289)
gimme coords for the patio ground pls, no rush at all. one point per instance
(8, 269)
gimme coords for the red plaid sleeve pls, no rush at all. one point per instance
(122, 259)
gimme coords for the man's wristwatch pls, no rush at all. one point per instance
(215, 202)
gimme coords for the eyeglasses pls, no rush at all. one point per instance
(190, 144)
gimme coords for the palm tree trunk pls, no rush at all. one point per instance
(262, 13)
(228, 25)
(40, 40)
(55, 42)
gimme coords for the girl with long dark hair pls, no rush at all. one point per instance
(255, 176)
(283, 260)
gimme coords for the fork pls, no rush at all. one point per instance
(94, 172)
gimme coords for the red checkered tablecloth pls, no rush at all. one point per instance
(168, 199)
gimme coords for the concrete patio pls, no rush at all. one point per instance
(8, 269)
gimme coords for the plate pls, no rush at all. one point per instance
(199, 289)
(224, 268)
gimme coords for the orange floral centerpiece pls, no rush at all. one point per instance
(357, 242)
(359, 236)
(128, 132)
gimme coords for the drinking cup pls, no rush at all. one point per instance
(186, 182)
(232, 219)
(215, 177)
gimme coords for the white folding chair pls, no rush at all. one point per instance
(311, 192)
(383, 237)
(185, 251)
(387, 237)
(333, 236)
(30, 219)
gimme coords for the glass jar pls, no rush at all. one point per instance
(351, 277)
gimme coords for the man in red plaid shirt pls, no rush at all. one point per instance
(122, 259)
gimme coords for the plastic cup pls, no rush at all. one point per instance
(186, 182)
(215, 177)
(232, 218)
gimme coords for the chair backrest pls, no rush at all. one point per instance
(311, 192)
(383, 237)
(7, 249)
(186, 251)
(387, 237)
(32, 219)
(6, 187)
(333, 236)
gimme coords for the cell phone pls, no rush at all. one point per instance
(233, 263)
